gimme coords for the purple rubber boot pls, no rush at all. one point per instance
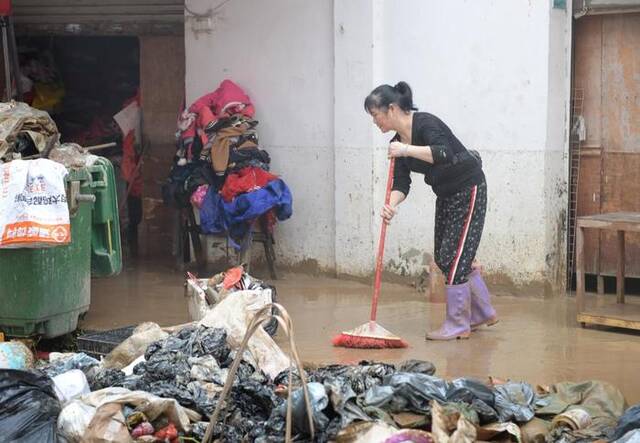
(482, 313)
(456, 325)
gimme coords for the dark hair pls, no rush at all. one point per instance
(385, 95)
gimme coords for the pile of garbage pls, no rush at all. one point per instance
(27, 132)
(24, 130)
(172, 393)
(163, 384)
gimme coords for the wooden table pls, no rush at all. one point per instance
(620, 314)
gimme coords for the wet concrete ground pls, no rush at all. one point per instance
(537, 340)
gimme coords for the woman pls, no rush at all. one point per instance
(424, 144)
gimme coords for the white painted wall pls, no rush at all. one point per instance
(281, 53)
(496, 71)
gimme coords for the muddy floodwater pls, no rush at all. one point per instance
(537, 340)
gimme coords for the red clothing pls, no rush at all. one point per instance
(130, 170)
(245, 180)
(227, 100)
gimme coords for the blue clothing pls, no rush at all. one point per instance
(235, 217)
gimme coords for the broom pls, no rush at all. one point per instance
(371, 335)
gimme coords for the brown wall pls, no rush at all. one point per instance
(162, 66)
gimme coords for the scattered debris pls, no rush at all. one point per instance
(15, 355)
(161, 386)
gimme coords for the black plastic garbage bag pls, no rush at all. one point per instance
(210, 341)
(283, 378)
(29, 407)
(405, 391)
(344, 401)
(81, 361)
(486, 413)
(254, 399)
(468, 389)
(107, 378)
(477, 395)
(629, 420)
(319, 401)
(361, 377)
(514, 402)
(419, 366)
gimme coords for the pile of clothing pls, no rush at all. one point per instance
(220, 169)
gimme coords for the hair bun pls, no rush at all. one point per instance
(403, 88)
(385, 95)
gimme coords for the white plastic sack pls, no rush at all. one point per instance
(70, 385)
(196, 301)
(74, 420)
(366, 432)
(108, 425)
(203, 294)
(234, 314)
(134, 346)
(152, 406)
(632, 436)
(33, 204)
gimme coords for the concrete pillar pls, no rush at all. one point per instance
(358, 56)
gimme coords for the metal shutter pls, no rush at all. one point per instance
(100, 17)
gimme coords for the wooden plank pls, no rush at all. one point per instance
(607, 60)
(617, 315)
(625, 217)
(620, 133)
(611, 226)
(588, 74)
(621, 183)
(620, 273)
(599, 277)
(620, 191)
(620, 85)
(580, 268)
(608, 321)
(588, 204)
(589, 152)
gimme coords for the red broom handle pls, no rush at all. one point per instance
(383, 234)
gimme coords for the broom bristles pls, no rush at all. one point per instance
(350, 341)
(369, 336)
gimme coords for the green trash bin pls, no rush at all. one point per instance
(106, 253)
(44, 291)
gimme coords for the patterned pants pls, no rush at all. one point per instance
(459, 223)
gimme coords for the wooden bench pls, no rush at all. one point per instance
(621, 314)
